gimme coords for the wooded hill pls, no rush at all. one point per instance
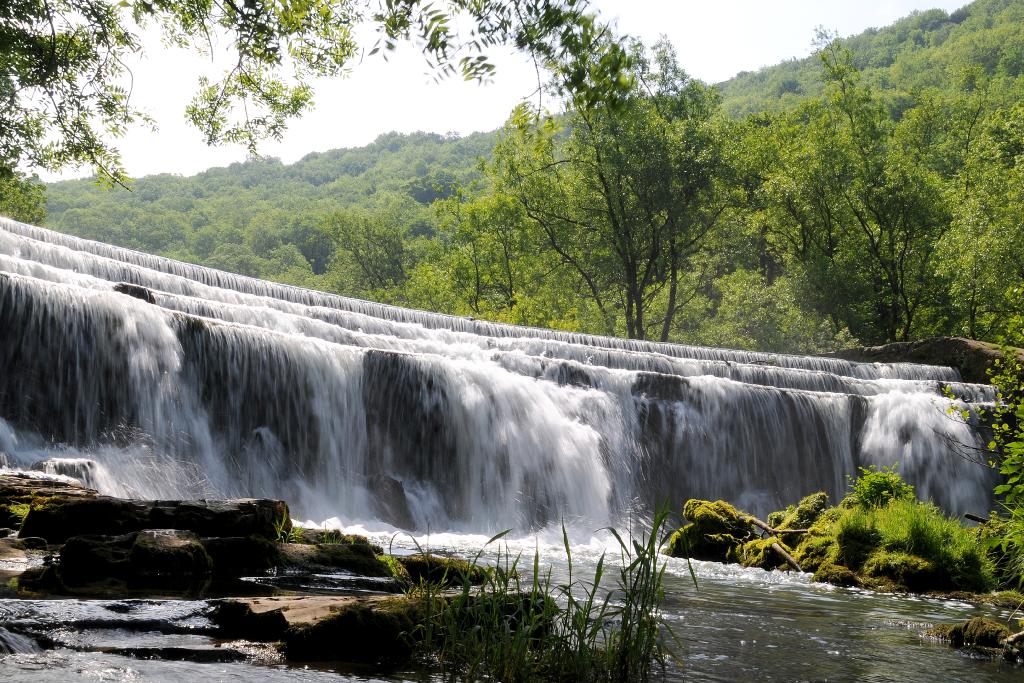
(924, 50)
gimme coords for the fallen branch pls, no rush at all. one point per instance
(774, 532)
(786, 556)
(975, 518)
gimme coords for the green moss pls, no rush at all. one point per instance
(759, 553)
(774, 519)
(13, 515)
(1007, 599)
(359, 559)
(804, 515)
(716, 532)
(396, 568)
(836, 574)
(718, 517)
(813, 551)
(978, 632)
(906, 571)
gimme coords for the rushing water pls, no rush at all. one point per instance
(147, 377)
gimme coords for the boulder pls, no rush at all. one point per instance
(357, 558)
(390, 501)
(149, 557)
(20, 491)
(60, 518)
(904, 571)
(235, 556)
(977, 632)
(361, 630)
(837, 575)
(446, 571)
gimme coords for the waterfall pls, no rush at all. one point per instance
(175, 380)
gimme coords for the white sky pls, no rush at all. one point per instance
(714, 41)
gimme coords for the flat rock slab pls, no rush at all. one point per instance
(304, 609)
(60, 518)
(23, 487)
(324, 628)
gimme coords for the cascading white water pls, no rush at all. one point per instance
(207, 383)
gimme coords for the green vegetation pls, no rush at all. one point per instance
(876, 488)
(977, 632)
(516, 629)
(878, 537)
(875, 207)
(919, 52)
(66, 90)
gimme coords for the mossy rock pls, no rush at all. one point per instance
(759, 553)
(716, 532)
(242, 555)
(446, 571)
(906, 571)
(837, 575)
(774, 519)
(396, 568)
(806, 513)
(1012, 600)
(978, 632)
(357, 558)
(331, 536)
(12, 515)
(814, 551)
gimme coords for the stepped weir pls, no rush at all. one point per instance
(162, 379)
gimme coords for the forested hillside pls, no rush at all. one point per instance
(267, 219)
(924, 50)
(875, 198)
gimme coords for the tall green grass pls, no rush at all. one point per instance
(905, 527)
(514, 629)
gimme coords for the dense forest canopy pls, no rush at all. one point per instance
(876, 197)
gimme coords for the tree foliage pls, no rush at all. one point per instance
(66, 91)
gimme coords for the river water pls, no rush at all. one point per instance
(736, 625)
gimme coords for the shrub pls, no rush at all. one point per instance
(877, 487)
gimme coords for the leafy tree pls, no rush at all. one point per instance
(856, 202)
(63, 80)
(374, 249)
(627, 193)
(21, 198)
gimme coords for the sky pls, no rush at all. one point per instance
(714, 41)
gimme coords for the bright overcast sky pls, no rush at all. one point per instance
(714, 41)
